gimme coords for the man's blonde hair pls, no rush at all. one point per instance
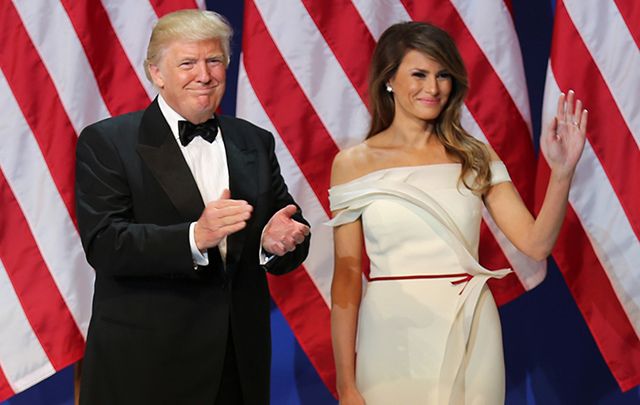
(187, 25)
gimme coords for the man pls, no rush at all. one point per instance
(181, 213)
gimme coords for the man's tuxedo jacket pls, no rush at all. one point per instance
(159, 327)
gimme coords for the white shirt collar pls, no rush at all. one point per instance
(173, 117)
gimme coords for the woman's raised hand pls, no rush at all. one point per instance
(563, 140)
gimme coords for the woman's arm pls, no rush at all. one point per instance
(562, 144)
(346, 293)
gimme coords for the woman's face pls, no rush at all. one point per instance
(421, 87)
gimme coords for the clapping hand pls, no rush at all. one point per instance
(219, 219)
(282, 234)
(563, 140)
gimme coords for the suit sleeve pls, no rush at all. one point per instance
(290, 261)
(113, 241)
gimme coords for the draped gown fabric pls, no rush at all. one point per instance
(428, 328)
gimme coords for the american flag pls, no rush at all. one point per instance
(65, 64)
(595, 51)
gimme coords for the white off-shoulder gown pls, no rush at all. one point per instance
(428, 329)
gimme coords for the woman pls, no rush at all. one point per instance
(427, 326)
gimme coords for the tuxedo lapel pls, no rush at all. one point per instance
(242, 181)
(161, 154)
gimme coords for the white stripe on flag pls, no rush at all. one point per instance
(383, 15)
(22, 359)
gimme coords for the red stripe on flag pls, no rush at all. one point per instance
(108, 59)
(348, 37)
(509, 5)
(608, 134)
(491, 256)
(506, 289)
(39, 102)
(630, 11)
(487, 97)
(5, 389)
(308, 316)
(41, 301)
(163, 7)
(594, 295)
(286, 105)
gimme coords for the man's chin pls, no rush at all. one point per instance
(202, 106)
(201, 115)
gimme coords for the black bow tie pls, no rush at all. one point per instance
(207, 130)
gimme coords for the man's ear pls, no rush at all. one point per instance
(156, 76)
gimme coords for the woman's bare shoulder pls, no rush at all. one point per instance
(351, 163)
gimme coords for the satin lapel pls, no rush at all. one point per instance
(242, 183)
(161, 154)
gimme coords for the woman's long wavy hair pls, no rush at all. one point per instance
(435, 43)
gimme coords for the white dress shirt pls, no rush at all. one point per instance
(208, 165)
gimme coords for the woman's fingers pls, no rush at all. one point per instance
(560, 109)
(583, 121)
(577, 114)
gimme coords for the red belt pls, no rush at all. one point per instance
(461, 278)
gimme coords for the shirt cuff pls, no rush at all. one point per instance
(264, 257)
(199, 258)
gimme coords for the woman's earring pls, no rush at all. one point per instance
(389, 89)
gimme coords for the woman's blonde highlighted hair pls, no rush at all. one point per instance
(435, 43)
